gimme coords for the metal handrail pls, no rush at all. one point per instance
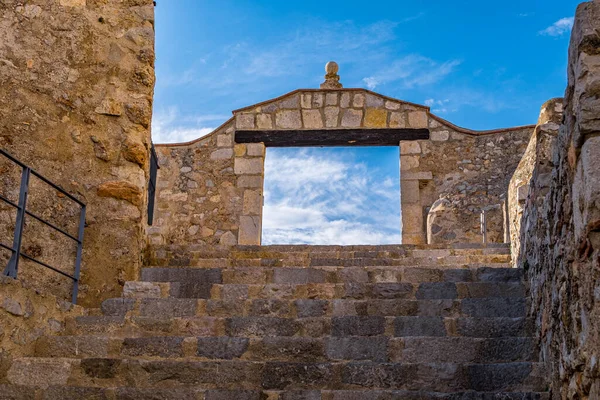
(154, 167)
(12, 268)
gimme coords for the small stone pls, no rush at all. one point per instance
(13, 307)
(185, 170)
(76, 136)
(352, 118)
(206, 232)
(73, 3)
(110, 107)
(135, 152)
(192, 230)
(288, 119)
(228, 239)
(312, 119)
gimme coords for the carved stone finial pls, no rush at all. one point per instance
(332, 79)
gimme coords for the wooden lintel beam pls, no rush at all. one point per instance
(330, 137)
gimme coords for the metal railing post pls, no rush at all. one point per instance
(79, 255)
(12, 267)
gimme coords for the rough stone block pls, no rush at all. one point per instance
(377, 375)
(250, 230)
(409, 162)
(221, 154)
(299, 275)
(359, 100)
(352, 118)
(440, 136)
(253, 202)
(281, 375)
(168, 307)
(331, 117)
(261, 326)
(256, 149)
(115, 307)
(397, 120)
(410, 147)
(170, 346)
(306, 100)
(137, 289)
(255, 181)
(128, 393)
(358, 326)
(39, 372)
(375, 118)
(311, 308)
(392, 290)
(419, 326)
(225, 140)
(417, 119)
(288, 349)
(248, 166)
(494, 307)
(233, 394)
(345, 100)
(244, 121)
(264, 121)
(288, 119)
(67, 393)
(410, 192)
(357, 348)
(312, 119)
(270, 308)
(437, 290)
(225, 348)
(301, 395)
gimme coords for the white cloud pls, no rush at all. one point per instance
(411, 71)
(440, 106)
(559, 28)
(168, 126)
(316, 196)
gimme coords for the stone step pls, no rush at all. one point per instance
(382, 290)
(171, 307)
(475, 261)
(264, 275)
(273, 375)
(294, 349)
(259, 326)
(14, 392)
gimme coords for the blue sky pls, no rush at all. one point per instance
(481, 65)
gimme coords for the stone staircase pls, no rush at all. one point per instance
(299, 323)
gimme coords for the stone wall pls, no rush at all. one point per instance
(561, 234)
(207, 189)
(76, 86)
(210, 190)
(26, 316)
(531, 181)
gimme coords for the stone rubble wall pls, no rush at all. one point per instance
(76, 87)
(531, 181)
(469, 169)
(560, 239)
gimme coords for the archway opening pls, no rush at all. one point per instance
(332, 196)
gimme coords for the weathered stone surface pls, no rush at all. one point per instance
(352, 118)
(375, 118)
(312, 119)
(153, 347)
(39, 372)
(280, 375)
(417, 119)
(121, 190)
(358, 326)
(248, 166)
(226, 348)
(358, 348)
(288, 119)
(245, 121)
(419, 326)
